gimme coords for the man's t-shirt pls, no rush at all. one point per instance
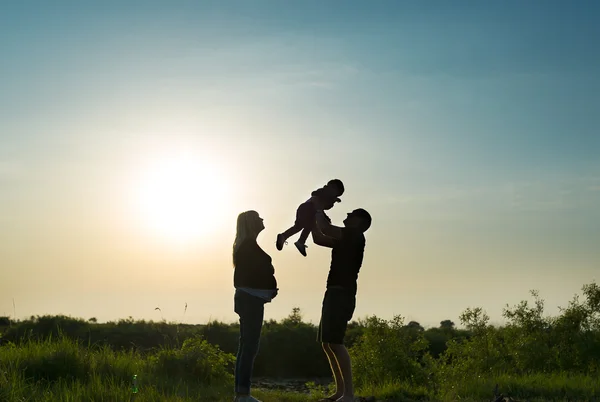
(346, 259)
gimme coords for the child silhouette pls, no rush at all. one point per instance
(324, 197)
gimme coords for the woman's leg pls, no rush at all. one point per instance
(239, 356)
(251, 311)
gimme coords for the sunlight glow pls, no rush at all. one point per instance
(183, 198)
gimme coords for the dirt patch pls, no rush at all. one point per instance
(290, 384)
(299, 385)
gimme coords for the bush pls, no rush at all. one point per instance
(529, 344)
(388, 350)
(196, 360)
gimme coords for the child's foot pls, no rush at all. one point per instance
(280, 241)
(301, 247)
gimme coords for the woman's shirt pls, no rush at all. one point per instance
(253, 268)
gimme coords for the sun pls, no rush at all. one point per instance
(182, 198)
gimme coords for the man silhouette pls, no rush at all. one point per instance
(347, 249)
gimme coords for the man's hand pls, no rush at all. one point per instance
(322, 240)
(324, 226)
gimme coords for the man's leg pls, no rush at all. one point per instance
(338, 308)
(345, 366)
(337, 374)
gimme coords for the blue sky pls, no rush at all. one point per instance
(469, 129)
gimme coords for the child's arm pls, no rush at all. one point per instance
(326, 228)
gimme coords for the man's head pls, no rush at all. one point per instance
(359, 219)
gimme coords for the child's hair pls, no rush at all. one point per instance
(320, 192)
(337, 183)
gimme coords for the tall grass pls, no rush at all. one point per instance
(532, 387)
(61, 369)
(64, 370)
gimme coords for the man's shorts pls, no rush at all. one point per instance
(338, 308)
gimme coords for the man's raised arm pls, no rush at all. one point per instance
(325, 227)
(321, 240)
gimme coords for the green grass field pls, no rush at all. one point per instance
(63, 370)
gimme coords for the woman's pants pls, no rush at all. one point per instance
(251, 311)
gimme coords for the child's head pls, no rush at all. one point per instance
(336, 186)
(329, 194)
(327, 203)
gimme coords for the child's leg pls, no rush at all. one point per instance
(304, 235)
(301, 243)
(282, 237)
(305, 216)
(292, 231)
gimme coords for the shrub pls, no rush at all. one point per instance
(388, 350)
(196, 360)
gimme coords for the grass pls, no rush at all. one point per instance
(532, 387)
(550, 386)
(101, 389)
(62, 370)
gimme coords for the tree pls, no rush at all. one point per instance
(447, 324)
(415, 325)
(294, 318)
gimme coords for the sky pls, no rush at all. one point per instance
(132, 134)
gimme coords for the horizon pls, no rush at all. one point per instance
(133, 134)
